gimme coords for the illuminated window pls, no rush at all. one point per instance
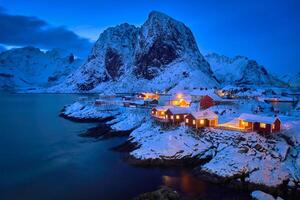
(194, 122)
(262, 125)
(167, 117)
(244, 123)
(184, 116)
(273, 126)
(187, 120)
(153, 112)
(202, 121)
(172, 117)
(162, 112)
(177, 116)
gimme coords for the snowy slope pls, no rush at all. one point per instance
(292, 79)
(30, 67)
(160, 55)
(240, 70)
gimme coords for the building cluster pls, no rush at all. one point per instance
(179, 111)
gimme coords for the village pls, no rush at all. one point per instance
(223, 133)
(226, 109)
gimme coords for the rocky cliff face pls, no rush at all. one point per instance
(241, 70)
(160, 55)
(30, 67)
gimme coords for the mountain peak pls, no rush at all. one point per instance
(157, 14)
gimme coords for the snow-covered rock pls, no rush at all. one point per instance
(240, 70)
(270, 161)
(160, 55)
(30, 67)
(292, 79)
(259, 195)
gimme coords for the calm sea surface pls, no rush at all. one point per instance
(43, 157)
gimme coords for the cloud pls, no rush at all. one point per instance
(24, 30)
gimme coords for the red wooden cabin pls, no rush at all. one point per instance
(200, 119)
(260, 124)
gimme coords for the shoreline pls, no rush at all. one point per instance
(193, 163)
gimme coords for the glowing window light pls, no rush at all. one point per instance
(177, 117)
(172, 117)
(202, 121)
(262, 125)
(244, 123)
(273, 126)
(194, 122)
(186, 120)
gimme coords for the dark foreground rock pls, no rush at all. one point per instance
(85, 119)
(239, 183)
(126, 147)
(189, 162)
(103, 131)
(164, 193)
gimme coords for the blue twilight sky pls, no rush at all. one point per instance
(265, 30)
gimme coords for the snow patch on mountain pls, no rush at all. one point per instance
(293, 80)
(240, 70)
(30, 67)
(160, 55)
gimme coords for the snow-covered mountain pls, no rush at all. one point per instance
(30, 67)
(240, 70)
(160, 55)
(293, 80)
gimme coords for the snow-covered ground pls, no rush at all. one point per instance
(271, 161)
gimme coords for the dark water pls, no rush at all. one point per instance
(42, 157)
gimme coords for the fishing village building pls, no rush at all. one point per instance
(200, 119)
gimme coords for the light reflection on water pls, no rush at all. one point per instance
(42, 157)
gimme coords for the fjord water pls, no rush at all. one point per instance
(42, 156)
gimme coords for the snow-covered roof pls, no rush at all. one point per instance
(257, 118)
(162, 108)
(204, 114)
(179, 110)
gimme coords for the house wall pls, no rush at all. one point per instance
(277, 124)
(190, 122)
(174, 120)
(249, 126)
(207, 123)
(206, 102)
(257, 128)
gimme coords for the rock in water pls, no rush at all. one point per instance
(164, 193)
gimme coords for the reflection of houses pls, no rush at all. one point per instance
(182, 100)
(205, 118)
(176, 115)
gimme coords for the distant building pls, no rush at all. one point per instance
(181, 100)
(148, 95)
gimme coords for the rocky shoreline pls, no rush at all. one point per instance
(197, 157)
